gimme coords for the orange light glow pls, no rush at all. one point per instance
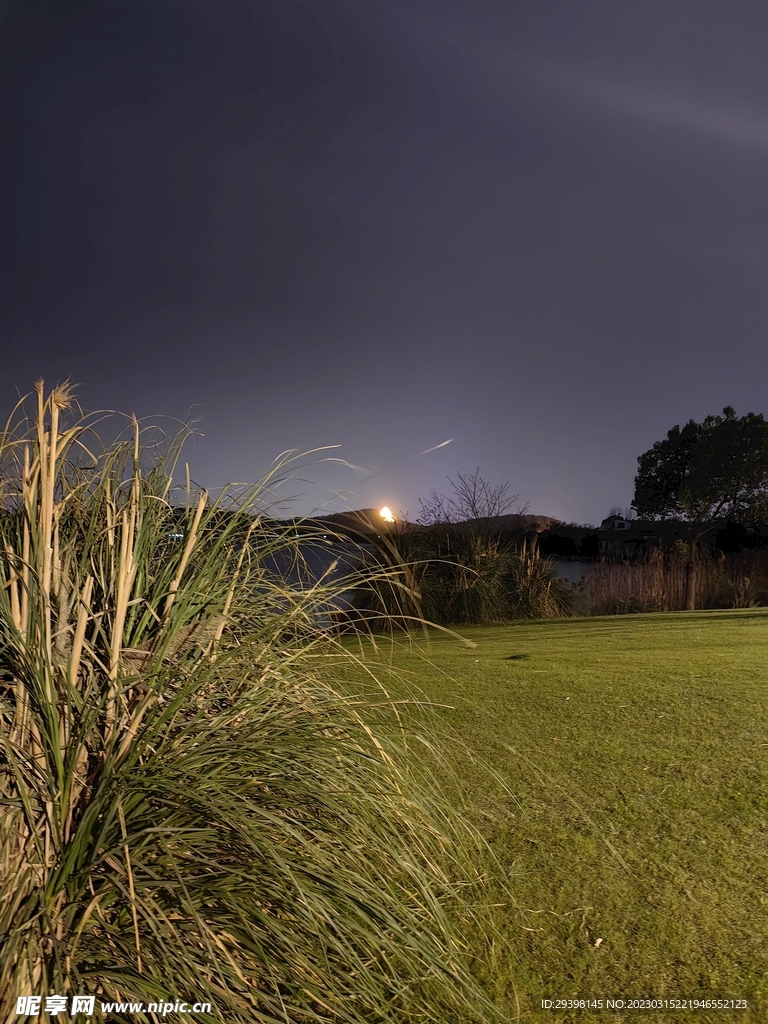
(386, 515)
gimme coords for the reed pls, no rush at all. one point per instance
(656, 583)
(190, 809)
(536, 593)
(472, 576)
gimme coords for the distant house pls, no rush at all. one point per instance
(617, 523)
(628, 538)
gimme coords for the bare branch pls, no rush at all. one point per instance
(473, 498)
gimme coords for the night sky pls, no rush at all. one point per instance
(536, 228)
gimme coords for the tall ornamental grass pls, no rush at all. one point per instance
(188, 811)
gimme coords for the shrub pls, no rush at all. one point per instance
(189, 809)
(467, 574)
(536, 593)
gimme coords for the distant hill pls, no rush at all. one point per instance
(362, 521)
(526, 523)
(368, 521)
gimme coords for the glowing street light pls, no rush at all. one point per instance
(386, 515)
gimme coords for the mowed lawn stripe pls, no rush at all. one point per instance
(619, 769)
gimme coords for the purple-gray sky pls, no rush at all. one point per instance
(536, 228)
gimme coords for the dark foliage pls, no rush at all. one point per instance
(714, 470)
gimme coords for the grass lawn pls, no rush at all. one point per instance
(619, 771)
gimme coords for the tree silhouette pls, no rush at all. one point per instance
(706, 474)
(473, 498)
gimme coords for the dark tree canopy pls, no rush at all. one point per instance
(714, 470)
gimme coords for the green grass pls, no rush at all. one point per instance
(619, 771)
